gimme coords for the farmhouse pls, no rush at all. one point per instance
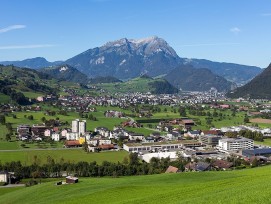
(71, 179)
(172, 169)
(222, 164)
(197, 166)
(72, 143)
(4, 176)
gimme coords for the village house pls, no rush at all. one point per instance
(136, 136)
(197, 166)
(222, 165)
(71, 179)
(72, 144)
(172, 169)
(56, 136)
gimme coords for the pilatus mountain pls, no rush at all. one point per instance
(126, 59)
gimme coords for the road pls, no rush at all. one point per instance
(24, 150)
(12, 186)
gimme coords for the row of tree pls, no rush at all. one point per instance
(130, 166)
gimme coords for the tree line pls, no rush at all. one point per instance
(131, 165)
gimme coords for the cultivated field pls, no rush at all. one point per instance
(260, 120)
(240, 186)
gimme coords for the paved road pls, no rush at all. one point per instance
(24, 150)
(12, 186)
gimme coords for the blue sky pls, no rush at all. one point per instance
(237, 31)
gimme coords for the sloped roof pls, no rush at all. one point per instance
(172, 169)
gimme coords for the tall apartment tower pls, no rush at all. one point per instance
(82, 127)
(75, 125)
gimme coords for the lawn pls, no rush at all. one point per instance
(266, 142)
(243, 186)
(4, 98)
(72, 155)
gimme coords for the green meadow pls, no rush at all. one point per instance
(217, 187)
(69, 155)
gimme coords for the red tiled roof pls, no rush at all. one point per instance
(172, 169)
(106, 146)
(72, 143)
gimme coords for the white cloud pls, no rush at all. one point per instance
(266, 14)
(235, 30)
(10, 47)
(12, 27)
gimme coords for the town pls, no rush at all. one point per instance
(201, 147)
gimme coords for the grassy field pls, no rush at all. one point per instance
(72, 155)
(4, 98)
(243, 186)
(266, 142)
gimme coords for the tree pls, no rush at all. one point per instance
(8, 137)
(2, 119)
(246, 119)
(254, 163)
(30, 117)
(133, 158)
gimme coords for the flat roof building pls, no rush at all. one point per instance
(235, 144)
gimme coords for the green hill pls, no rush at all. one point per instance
(259, 87)
(189, 78)
(16, 83)
(141, 84)
(240, 186)
(19, 84)
(66, 72)
(106, 79)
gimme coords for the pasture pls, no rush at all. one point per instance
(218, 187)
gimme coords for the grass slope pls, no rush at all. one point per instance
(141, 84)
(244, 186)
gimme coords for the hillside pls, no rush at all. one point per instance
(243, 186)
(239, 74)
(66, 72)
(33, 63)
(106, 79)
(16, 82)
(259, 87)
(190, 79)
(141, 84)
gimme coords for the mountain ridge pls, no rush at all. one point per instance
(257, 88)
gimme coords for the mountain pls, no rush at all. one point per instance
(240, 74)
(107, 79)
(142, 84)
(127, 58)
(188, 78)
(66, 72)
(259, 87)
(33, 63)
